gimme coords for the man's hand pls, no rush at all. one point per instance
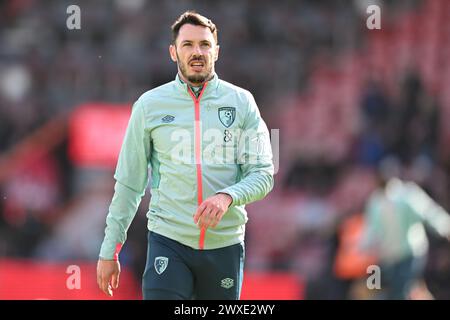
(211, 211)
(108, 272)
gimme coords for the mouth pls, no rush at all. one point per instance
(197, 65)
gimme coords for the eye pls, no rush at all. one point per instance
(187, 44)
(206, 45)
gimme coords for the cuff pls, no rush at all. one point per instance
(227, 192)
(106, 254)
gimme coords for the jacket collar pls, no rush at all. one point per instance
(212, 85)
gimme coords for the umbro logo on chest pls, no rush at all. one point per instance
(167, 119)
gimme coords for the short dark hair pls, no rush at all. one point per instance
(194, 18)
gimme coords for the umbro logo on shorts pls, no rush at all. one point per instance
(161, 264)
(227, 283)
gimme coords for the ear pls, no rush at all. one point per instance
(173, 52)
(217, 53)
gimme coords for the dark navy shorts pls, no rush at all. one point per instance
(177, 272)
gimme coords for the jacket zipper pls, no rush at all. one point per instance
(198, 156)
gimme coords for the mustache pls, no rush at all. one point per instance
(197, 59)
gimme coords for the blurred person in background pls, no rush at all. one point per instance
(395, 218)
(197, 216)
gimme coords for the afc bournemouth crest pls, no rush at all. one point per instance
(227, 115)
(161, 264)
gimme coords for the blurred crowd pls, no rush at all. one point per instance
(344, 98)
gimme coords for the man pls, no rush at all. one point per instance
(210, 154)
(396, 215)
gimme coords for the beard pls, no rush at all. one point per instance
(195, 78)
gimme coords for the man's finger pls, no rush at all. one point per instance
(105, 286)
(199, 212)
(212, 216)
(110, 292)
(115, 280)
(204, 219)
(217, 217)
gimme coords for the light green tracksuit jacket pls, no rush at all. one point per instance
(395, 221)
(196, 145)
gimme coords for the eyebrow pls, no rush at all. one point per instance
(201, 41)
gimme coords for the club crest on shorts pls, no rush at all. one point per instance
(227, 283)
(227, 115)
(161, 264)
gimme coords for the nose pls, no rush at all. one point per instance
(197, 50)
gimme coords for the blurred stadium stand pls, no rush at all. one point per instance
(343, 97)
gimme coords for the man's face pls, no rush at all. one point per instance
(195, 52)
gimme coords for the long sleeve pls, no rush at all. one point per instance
(131, 177)
(428, 210)
(255, 160)
(372, 230)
